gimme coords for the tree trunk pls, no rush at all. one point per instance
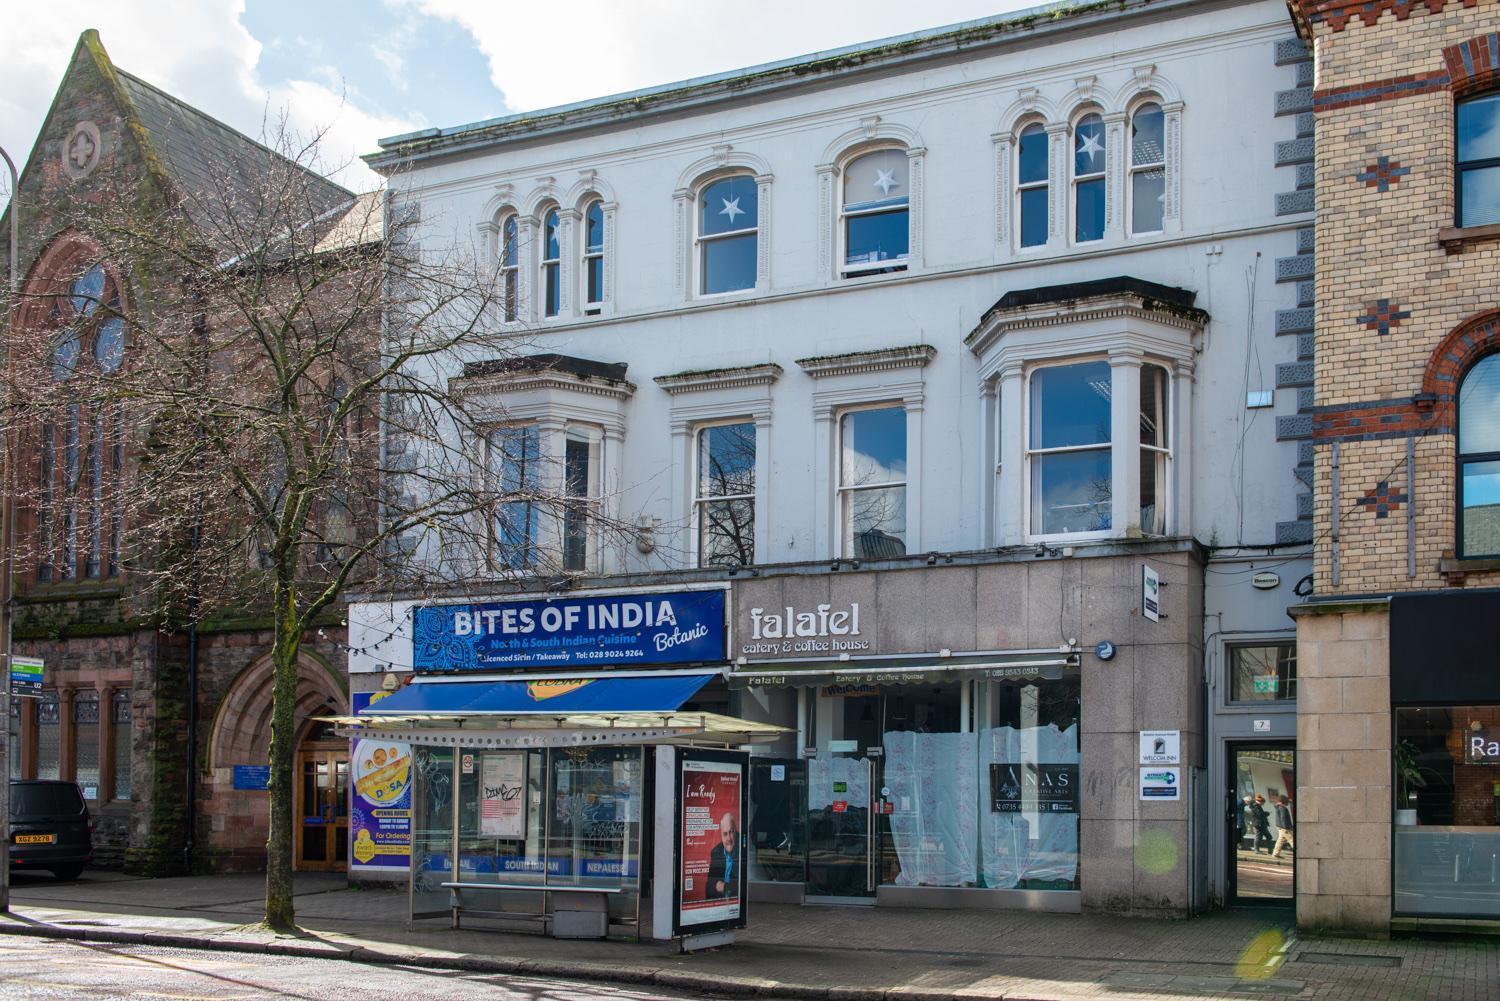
(279, 911)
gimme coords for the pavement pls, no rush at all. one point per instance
(832, 953)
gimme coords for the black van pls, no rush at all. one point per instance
(50, 828)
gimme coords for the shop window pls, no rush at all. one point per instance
(1263, 672)
(876, 227)
(1477, 128)
(510, 284)
(1033, 189)
(120, 744)
(1068, 449)
(86, 743)
(728, 210)
(551, 264)
(872, 482)
(514, 461)
(1089, 158)
(48, 737)
(1148, 169)
(593, 257)
(1447, 811)
(582, 446)
(1479, 460)
(725, 502)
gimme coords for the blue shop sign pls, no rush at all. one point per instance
(641, 629)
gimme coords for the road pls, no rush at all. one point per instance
(38, 969)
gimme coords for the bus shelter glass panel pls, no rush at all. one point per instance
(432, 830)
(594, 829)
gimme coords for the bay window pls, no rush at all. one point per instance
(1155, 452)
(1068, 449)
(872, 482)
(514, 460)
(581, 489)
(724, 506)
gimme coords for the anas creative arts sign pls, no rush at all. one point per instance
(671, 627)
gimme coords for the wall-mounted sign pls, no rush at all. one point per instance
(1262, 726)
(1024, 786)
(1161, 783)
(252, 778)
(1266, 580)
(672, 627)
(26, 677)
(1161, 747)
(819, 631)
(1150, 593)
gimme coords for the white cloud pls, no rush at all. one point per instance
(609, 46)
(196, 50)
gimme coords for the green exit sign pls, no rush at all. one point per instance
(1265, 684)
(841, 787)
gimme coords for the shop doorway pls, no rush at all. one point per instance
(1260, 822)
(841, 835)
(322, 818)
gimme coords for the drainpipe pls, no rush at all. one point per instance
(189, 845)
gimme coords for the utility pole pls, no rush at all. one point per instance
(7, 524)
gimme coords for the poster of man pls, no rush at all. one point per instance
(712, 848)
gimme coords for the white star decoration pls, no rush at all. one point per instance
(731, 208)
(1088, 143)
(885, 181)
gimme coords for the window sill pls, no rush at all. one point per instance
(1456, 571)
(1454, 239)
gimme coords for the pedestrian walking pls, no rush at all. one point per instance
(1284, 826)
(1260, 821)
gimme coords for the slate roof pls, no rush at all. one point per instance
(218, 171)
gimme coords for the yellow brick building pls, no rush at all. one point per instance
(1397, 813)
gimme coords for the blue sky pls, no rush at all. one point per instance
(365, 70)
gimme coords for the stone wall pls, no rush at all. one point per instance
(1343, 766)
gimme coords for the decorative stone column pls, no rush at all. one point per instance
(1125, 441)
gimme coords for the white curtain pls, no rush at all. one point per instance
(825, 773)
(933, 786)
(1030, 844)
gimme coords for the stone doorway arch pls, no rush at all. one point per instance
(239, 819)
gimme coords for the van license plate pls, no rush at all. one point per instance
(35, 839)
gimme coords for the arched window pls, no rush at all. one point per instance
(1089, 158)
(1032, 177)
(551, 264)
(509, 265)
(1479, 460)
(1477, 130)
(874, 213)
(728, 209)
(1148, 169)
(593, 257)
(81, 451)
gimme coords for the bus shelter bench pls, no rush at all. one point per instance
(594, 900)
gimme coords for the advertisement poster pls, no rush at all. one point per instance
(670, 627)
(711, 853)
(502, 800)
(380, 814)
(1017, 787)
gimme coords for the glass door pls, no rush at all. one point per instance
(1261, 822)
(841, 844)
(322, 810)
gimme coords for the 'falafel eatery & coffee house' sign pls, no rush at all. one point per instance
(614, 630)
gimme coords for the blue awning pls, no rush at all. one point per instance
(658, 694)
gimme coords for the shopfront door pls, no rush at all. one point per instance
(841, 820)
(322, 809)
(1260, 822)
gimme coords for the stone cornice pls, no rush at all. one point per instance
(1117, 306)
(719, 378)
(520, 382)
(878, 360)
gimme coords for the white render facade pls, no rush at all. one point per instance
(1091, 194)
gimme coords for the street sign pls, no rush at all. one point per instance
(1150, 593)
(26, 677)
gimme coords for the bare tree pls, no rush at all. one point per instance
(269, 406)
